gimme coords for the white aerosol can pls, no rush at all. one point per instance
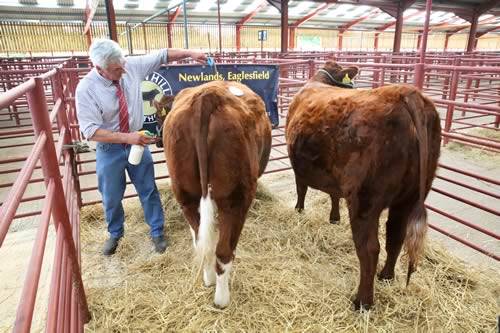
(135, 155)
(136, 151)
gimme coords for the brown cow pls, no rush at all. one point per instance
(377, 149)
(217, 140)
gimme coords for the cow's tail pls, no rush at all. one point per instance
(204, 105)
(417, 222)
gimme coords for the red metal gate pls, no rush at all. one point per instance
(68, 310)
(456, 86)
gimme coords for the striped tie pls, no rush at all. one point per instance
(122, 104)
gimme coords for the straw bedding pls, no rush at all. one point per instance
(293, 273)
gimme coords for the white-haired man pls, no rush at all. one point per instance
(110, 112)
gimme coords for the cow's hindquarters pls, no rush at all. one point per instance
(228, 187)
(216, 145)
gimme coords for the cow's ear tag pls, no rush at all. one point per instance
(235, 91)
(346, 79)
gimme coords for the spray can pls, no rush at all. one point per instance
(136, 151)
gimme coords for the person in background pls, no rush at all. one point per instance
(110, 111)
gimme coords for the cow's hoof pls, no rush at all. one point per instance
(332, 221)
(359, 306)
(299, 209)
(385, 276)
(221, 306)
(221, 301)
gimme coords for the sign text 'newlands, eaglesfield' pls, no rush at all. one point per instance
(229, 76)
(170, 80)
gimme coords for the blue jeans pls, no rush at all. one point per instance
(111, 163)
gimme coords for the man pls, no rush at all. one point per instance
(110, 111)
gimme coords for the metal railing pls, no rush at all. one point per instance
(466, 93)
(61, 205)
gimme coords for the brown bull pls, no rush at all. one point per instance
(217, 144)
(377, 149)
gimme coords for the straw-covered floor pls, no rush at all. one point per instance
(293, 272)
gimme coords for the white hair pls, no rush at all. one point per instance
(104, 52)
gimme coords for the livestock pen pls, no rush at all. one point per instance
(41, 133)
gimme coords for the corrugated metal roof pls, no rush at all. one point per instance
(65, 3)
(339, 13)
(28, 2)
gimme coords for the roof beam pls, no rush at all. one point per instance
(90, 9)
(161, 12)
(465, 26)
(373, 3)
(479, 10)
(373, 12)
(294, 25)
(401, 5)
(244, 20)
(174, 16)
(444, 24)
(390, 8)
(482, 33)
(448, 23)
(171, 19)
(250, 15)
(276, 4)
(313, 13)
(459, 11)
(388, 25)
(343, 28)
(487, 6)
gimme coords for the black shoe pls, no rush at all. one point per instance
(160, 244)
(110, 246)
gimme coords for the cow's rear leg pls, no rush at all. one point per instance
(301, 194)
(396, 233)
(231, 219)
(335, 213)
(189, 204)
(364, 226)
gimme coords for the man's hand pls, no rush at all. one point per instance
(134, 138)
(199, 56)
(179, 54)
(139, 139)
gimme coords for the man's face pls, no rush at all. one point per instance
(114, 71)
